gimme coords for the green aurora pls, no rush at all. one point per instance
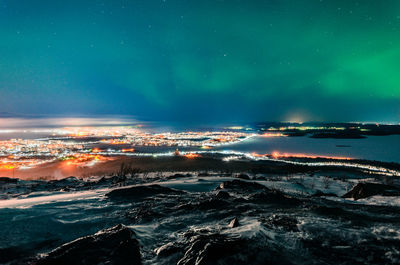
(203, 61)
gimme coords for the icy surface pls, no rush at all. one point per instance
(287, 219)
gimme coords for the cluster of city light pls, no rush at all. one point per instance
(83, 159)
(305, 128)
(12, 163)
(38, 147)
(185, 139)
(136, 137)
(273, 135)
(5, 165)
(192, 155)
(89, 145)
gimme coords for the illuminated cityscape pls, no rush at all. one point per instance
(90, 145)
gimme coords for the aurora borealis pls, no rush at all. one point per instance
(208, 60)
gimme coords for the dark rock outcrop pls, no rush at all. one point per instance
(281, 221)
(222, 195)
(210, 249)
(243, 176)
(319, 193)
(168, 249)
(140, 192)
(365, 190)
(115, 245)
(241, 186)
(257, 192)
(143, 213)
(234, 223)
(206, 204)
(6, 180)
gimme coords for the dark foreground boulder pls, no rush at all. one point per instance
(208, 248)
(115, 245)
(140, 192)
(365, 190)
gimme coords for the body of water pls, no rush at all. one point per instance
(381, 148)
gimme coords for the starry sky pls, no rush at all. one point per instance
(202, 61)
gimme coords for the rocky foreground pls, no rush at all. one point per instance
(203, 218)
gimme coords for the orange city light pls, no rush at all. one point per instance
(79, 134)
(7, 166)
(114, 141)
(290, 155)
(273, 135)
(276, 155)
(192, 155)
(95, 150)
(128, 150)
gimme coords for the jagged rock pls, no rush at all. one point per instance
(281, 221)
(206, 204)
(206, 247)
(210, 249)
(222, 195)
(143, 213)
(115, 245)
(365, 190)
(168, 249)
(234, 223)
(140, 192)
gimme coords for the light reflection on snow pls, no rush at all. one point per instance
(63, 197)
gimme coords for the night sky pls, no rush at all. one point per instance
(203, 60)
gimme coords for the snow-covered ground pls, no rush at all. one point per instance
(297, 218)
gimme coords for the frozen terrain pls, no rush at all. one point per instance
(314, 216)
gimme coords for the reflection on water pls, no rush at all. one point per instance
(381, 148)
